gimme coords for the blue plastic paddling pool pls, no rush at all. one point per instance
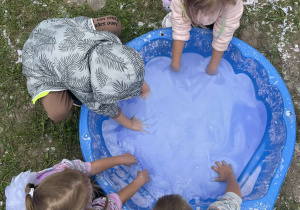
(266, 170)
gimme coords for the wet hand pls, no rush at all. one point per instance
(225, 171)
(143, 176)
(129, 159)
(175, 67)
(136, 125)
(211, 72)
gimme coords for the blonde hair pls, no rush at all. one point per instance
(68, 190)
(172, 202)
(193, 6)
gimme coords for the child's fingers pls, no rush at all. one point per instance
(134, 160)
(230, 166)
(218, 164)
(217, 179)
(144, 131)
(224, 163)
(214, 168)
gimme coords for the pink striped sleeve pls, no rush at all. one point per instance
(113, 199)
(84, 167)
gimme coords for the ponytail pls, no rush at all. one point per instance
(28, 197)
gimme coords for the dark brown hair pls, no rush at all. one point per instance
(172, 202)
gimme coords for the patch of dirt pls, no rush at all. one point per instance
(291, 66)
(290, 190)
(250, 35)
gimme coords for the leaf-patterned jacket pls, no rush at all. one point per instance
(69, 54)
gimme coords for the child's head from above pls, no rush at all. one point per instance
(69, 189)
(172, 202)
(119, 73)
(193, 6)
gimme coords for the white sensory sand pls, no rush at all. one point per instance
(194, 120)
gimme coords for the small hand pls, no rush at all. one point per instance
(129, 159)
(136, 125)
(145, 91)
(225, 171)
(211, 72)
(175, 67)
(143, 176)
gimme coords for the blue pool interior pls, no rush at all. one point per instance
(269, 164)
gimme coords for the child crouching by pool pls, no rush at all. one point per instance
(74, 61)
(67, 186)
(230, 201)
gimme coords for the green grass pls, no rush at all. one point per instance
(26, 134)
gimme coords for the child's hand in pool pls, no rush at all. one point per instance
(136, 125)
(145, 91)
(129, 159)
(225, 171)
(211, 72)
(175, 67)
(143, 177)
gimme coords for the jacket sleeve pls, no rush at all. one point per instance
(111, 110)
(229, 201)
(181, 26)
(84, 167)
(233, 14)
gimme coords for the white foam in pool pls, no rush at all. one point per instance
(195, 120)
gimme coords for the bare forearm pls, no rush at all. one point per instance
(233, 186)
(145, 87)
(176, 54)
(215, 60)
(127, 192)
(103, 164)
(123, 120)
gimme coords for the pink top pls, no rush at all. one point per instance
(232, 14)
(114, 201)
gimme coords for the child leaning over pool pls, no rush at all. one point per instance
(67, 186)
(225, 16)
(74, 60)
(230, 201)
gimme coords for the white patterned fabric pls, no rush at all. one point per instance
(230, 201)
(68, 54)
(15, 191)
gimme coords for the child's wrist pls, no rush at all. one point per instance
(139, 180)
(230, 177)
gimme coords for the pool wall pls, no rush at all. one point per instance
(264, 174)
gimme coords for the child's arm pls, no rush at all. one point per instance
(226, 175)
(103, 164)
(127, 192)
(133, 123)
(176, 54)
(212, 68)
(145, 91)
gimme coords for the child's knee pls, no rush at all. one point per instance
(59, 114)
(58, 105)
